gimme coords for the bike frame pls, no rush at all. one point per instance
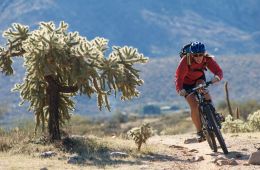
(208, 120)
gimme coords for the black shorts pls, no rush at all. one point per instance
(188, 87)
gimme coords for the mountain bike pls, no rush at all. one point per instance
(210, 119)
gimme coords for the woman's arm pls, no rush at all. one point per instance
(180, 73)
(214, 67)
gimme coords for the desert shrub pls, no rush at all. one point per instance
(222, 105)
(248, 107)
(11, 137)
(119, 117)
(5, 145)
(140, 134)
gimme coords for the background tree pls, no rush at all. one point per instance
(59, 64)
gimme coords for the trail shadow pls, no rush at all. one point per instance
(237, 155)
(92, 152)
(232, 154)
(97, 154)
(190, 140)
(159, 157)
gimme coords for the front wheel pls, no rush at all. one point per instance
(216, 129)
(210, 137)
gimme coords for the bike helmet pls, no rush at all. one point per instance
(197, 47)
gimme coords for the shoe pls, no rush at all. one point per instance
(200, 136)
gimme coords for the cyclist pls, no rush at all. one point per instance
(189, 73)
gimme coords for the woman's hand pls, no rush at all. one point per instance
(182, 92)
(215, 79)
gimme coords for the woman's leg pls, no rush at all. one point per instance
(191, 99)
(206, 92)
(194, 106)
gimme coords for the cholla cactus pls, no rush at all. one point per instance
(140, 134)
(15, 36)
(254, 121)
(234, 126)
(60, 63)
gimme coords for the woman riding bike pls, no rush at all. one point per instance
(189, 73)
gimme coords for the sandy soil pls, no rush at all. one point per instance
(174, 154)
(240, 147)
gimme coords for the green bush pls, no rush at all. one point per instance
(222, 105)
(248, 107)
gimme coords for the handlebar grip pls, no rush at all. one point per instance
(209, 83)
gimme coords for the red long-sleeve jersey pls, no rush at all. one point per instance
(186, 75)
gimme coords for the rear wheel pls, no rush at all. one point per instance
(216, 129)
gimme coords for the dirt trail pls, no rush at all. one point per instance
(172, 154)
(240, 147)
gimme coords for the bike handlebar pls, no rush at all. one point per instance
(205, 85)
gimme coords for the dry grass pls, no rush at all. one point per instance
(95, 152)
(92, 140)
(172, 124)
(169, 124)
(10, 138)
(25, 162)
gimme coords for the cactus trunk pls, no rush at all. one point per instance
(227, 99)
(53, 103)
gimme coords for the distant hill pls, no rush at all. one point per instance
(157, 28)
(230, 30)
(241, 72)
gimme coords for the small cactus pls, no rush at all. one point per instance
(140, 134)
(235, 126)
(254, 120)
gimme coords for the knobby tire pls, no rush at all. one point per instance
(210, 137)
(216, 129)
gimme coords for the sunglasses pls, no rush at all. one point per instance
(198, 55)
